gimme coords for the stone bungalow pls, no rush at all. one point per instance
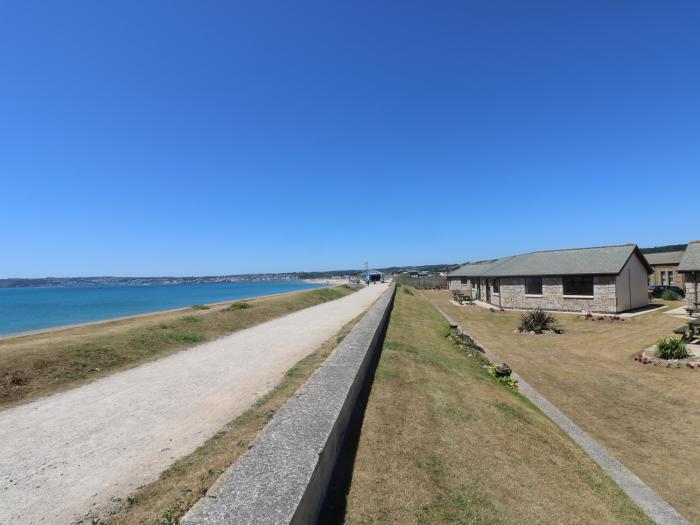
(665, 266)
(608, 279)
(690, 268)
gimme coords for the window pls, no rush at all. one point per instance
(578, 285)
(533, 286)
(496, 286)
(663, 278)
(464, 280)
(670, 278)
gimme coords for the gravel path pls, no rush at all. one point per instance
(67, 454)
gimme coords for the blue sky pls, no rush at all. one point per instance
(185, 138)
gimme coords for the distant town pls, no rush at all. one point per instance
(51, 282)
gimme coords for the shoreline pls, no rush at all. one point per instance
(40, 331)
(328, 282)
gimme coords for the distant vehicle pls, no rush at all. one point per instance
(373, 277)
(657, 290)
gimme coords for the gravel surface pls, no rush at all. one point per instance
(71, 453)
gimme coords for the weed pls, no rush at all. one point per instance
(185, 337)
(200, 307)
(240, 305)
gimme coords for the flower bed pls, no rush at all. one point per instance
(649, 357)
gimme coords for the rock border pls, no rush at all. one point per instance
(648, 357)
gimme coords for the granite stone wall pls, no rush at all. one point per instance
(678, 278)
(512, 296)
(691, 286)
(455, 283)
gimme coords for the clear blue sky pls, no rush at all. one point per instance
(181, 138)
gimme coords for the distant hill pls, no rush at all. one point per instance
(666, 248)
(430, 268)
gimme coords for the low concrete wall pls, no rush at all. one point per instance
(284, 477)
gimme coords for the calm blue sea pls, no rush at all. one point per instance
(23, 309)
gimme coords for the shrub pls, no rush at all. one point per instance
(537, 320)
(502, 373)
(199, 307)
(671, 348)
(670, 295)
(238, 306)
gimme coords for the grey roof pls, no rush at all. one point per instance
(608, 260)
(471, 269)
(664, 258)
(691, 258)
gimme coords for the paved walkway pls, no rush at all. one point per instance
(66, 454)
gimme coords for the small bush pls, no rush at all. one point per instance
(191, 319)
(199, 307)
(238, 306)
(407, 291)
(670, 295)
(498, 372)
(537, 320)
(671, 348)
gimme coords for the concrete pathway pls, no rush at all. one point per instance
(69, 453)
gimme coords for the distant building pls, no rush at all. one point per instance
(373, 276)
(665, 267)
(607, 279)
(690, 268)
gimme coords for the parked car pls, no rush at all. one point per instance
(657, 290)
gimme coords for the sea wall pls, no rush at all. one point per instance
(283, 479)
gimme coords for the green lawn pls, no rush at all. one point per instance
(646, 416)
(443, 442)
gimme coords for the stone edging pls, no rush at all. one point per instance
(639, 492)
(648, 357)
(283, 479)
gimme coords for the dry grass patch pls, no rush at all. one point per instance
(444, 442)
(167, 499)
(646, 416)
(35, 365)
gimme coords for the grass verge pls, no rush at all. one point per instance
(166, 500)
(646, 416)
(444, 442)
(36, 365)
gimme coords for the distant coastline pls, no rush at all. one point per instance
(63, 282)
(320, 277)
